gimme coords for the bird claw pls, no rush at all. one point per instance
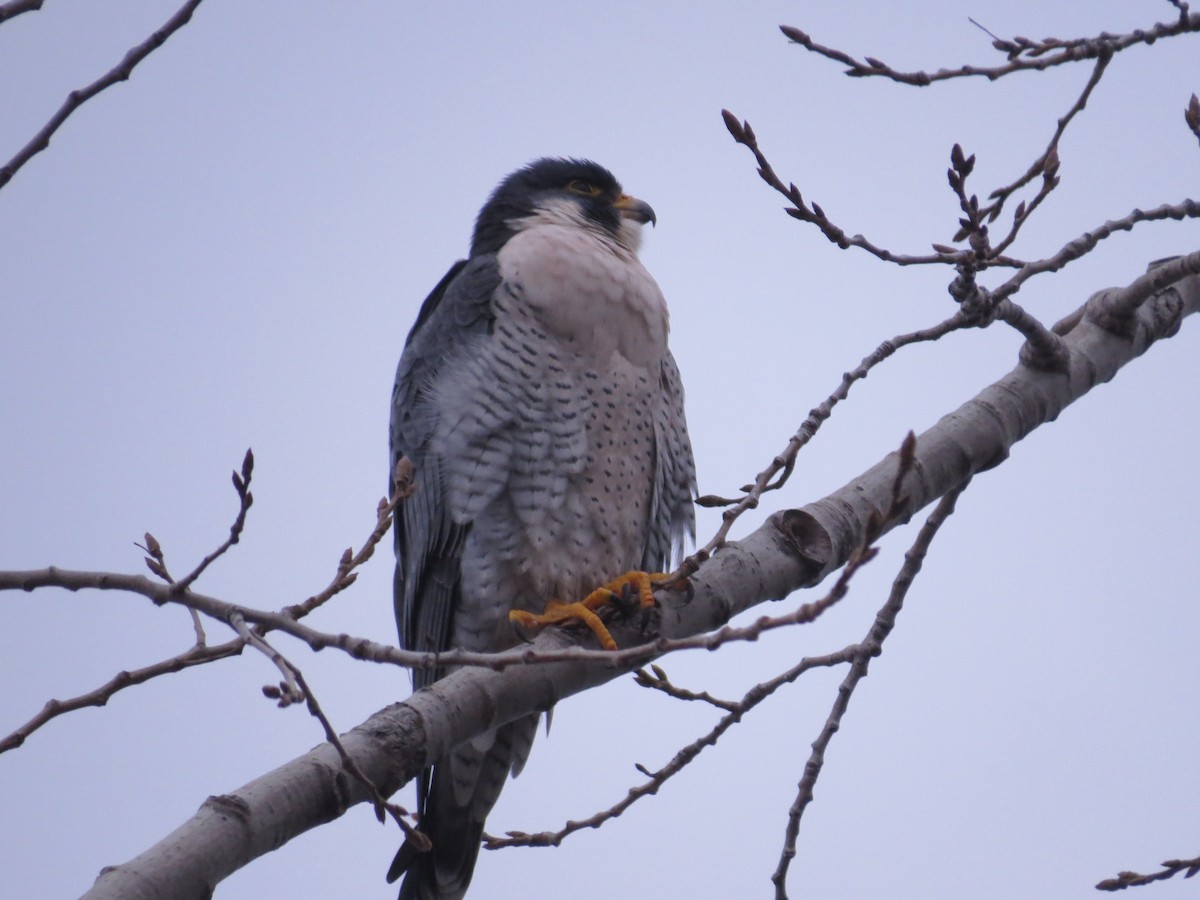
(630, 593)
(559, 613)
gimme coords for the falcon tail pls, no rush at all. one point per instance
(462, 791)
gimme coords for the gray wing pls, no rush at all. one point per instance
(482, 406)
(672, 515)
(428, 543)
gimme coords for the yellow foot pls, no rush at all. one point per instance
(613, 593)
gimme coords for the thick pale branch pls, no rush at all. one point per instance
(981, 433)
(734, 713)
(794, 549)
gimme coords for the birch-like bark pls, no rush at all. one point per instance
(793, 549)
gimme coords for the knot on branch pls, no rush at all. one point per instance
(1168, 312)
(977, 303)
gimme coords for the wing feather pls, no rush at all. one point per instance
(672, 514)
(428, 542)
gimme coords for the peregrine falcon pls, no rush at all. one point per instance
(543, 415)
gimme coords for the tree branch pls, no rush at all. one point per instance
(1023, 54)
(735, 713)
(14, 8)
(1171, 868)
(1046, 163)
(77, 98)
(200, 653)
(196, 655)
(793, 549)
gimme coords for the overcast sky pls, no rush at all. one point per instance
(228, 250)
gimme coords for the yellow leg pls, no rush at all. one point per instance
(557, 612)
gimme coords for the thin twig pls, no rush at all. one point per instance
(373, 651)
(1023, 54)
(870, 647)
(241, 483)
(681, 759)
(199, 653)
(193, 656)
(815, 215)
(356, 647)
(77, 98)
(398, 813)
(403, 485)
(1171, 868)
(14, 8)
(288, 690)
(198, 628)
(776, 474)
(1082, 245)
(294, 689)
(1046, 163)
(656, 679)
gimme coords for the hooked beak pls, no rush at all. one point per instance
(638, 210)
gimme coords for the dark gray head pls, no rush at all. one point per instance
(550, 183)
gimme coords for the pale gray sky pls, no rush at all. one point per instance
(228, 250)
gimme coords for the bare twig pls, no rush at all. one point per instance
(77, 98)
(241, 484)
(1023, 54)
(1082, 245)
(287, 691)
(198, 628)
(14, 8)
(382, 807)
(294, 689)
(815, 215)
(373, 651)
(657, 679)
(681, 759)
(1171, 868)
(1046, 165)
(775, 475)
(871, 646)
(194, 656)
(356, 647)
(199, 653)
(403, 486)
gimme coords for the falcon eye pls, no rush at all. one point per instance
(583, 188)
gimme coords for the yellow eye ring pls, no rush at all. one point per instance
(583, 188)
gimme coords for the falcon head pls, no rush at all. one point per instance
(574, 192)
